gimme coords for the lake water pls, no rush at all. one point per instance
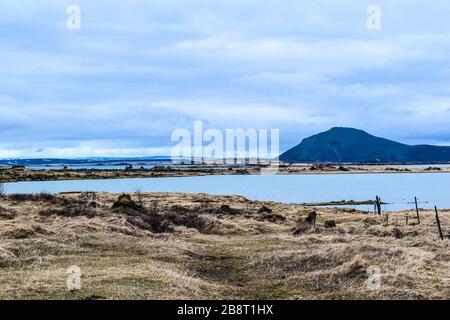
(397, 189)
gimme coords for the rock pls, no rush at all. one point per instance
(125, 201)
(306, 224)
(264, 209)
(330, 224)
(225, 208)
(397, 233)
(311, 218)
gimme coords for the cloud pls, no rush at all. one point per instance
(136, 71)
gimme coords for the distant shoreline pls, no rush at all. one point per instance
(21, 174)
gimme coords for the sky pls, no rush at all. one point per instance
(136, 71)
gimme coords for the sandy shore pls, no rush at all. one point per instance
(22, 174)
(191, 246)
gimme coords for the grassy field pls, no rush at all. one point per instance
(190, 246)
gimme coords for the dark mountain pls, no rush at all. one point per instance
(356, 146)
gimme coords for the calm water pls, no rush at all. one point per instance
(397, 189)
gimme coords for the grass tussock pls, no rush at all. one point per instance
(40, 197)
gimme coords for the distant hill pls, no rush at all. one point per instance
(356, 146)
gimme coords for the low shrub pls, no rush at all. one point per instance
(70, 211)
(305, 224)
(33, 197)
(329, 224)
(264, 209)
(125, 202)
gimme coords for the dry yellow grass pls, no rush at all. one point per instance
(229, 252)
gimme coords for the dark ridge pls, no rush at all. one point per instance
(348, 145)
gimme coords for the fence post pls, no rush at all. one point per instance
(379, 205)
(438, 223)
(417, 210)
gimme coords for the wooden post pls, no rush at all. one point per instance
(438, 223)
(379, 205)
(417, 210)
(407, 217)
(376, 204)
(314, 221)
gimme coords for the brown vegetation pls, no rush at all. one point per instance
(167, 246)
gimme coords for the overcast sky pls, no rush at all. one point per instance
(137, 70)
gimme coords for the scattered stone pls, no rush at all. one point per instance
(225, 208)
(311, 218)
(306, 224)
(330, 224)
(264, 209)
(397, 233)
(125, 201)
